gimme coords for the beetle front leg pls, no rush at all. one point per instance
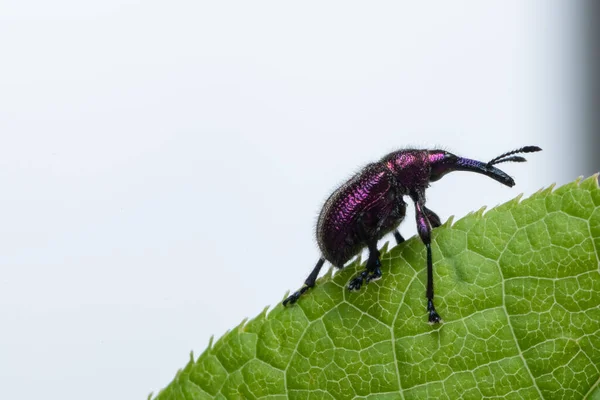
(372, 271)
(433, 218)
(424, 229)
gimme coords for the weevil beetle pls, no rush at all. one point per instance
(370, 205)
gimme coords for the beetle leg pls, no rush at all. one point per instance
(357, 282)
(374, 263)
(308, 283)
(372, 271)
(424, 229)
(398, 236)
(433, 218)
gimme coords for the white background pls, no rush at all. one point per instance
(162, 164)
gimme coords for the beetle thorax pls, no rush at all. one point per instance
(411, 168)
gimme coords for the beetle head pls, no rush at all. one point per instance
(442, 162)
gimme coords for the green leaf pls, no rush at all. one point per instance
(518, 288)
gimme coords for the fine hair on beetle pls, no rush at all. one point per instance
(371, 204)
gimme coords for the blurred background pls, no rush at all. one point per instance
(162, 164)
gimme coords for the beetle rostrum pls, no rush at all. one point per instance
(370, 205)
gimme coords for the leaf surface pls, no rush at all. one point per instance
(518, 288)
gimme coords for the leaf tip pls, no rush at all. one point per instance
(480, 212)
(384, 248)
(358, 259)
(518, 198)
(548, 189)
(592, 182)
(514, 201)
(449, 222)
(265, 311)
(243, 324)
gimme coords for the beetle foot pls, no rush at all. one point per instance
(374, 275)
(357, 282)
(365, 277)
(434, 317)
(292, 299)
(295, 296)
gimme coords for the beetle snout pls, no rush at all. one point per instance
(465, 164)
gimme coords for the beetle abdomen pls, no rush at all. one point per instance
(361, 208)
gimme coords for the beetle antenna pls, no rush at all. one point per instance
(509, 159)
(505, 157)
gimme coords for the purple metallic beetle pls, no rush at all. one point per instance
(370, 205)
